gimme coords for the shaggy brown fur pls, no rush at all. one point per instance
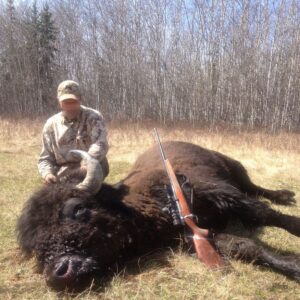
(76, 235)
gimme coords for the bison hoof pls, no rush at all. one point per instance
(284, 197)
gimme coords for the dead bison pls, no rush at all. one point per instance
(77, 231)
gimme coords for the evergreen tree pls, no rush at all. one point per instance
(32, 51)
(34, 25)
(9, 61)
(40, 48)
(11, 11)
(47, 36)
(47, 39)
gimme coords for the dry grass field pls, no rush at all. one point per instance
(272, 161)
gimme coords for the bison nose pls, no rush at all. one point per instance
(62, 268)
(64, 272)
(70, 272)
(67, 267)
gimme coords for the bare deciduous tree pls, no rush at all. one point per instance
(203, 62)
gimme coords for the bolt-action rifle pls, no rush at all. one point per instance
(182, 214)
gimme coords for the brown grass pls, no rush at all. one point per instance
(272, 161)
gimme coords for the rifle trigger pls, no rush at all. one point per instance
(191, 216)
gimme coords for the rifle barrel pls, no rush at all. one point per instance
(160, 146)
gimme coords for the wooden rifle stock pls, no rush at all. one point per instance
(204, 249)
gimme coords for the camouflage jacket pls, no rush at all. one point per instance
(87, 132)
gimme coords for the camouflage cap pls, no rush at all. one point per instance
(68, 89)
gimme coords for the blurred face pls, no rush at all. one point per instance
(70, 108)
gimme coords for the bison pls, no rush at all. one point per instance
(78, 231)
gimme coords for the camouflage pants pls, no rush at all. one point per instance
(66, 169)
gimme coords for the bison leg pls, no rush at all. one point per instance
(240, 177)
(247, 250)
(215, 205)
(255, 213)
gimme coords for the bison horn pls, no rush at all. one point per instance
(94, 174)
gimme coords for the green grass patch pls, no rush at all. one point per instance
(118, 170)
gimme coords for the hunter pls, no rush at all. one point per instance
(74, 127)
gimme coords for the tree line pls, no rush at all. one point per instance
(206, 62)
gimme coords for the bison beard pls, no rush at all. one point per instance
(76, 234)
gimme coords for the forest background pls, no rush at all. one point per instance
(206, 63)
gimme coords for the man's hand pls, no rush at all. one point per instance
(50, 178)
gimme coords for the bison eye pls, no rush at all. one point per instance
(82, 213)
(75, 209)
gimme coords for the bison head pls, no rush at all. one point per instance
(76, 229)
